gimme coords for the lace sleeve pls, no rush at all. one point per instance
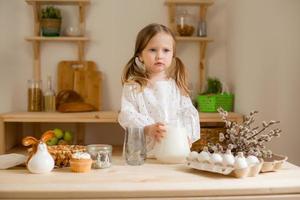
(129, 114)
(190, 117)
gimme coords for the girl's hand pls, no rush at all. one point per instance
(157, 130)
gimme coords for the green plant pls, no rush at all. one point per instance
(50, 12)
(214, 86)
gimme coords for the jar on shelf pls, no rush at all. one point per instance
(202, 30)
(35, 96)
(185, 23)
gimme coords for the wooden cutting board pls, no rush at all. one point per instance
(82, 77)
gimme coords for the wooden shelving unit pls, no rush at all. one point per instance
(203, 41)
(9, 122)
(211, 121)
(37, 39)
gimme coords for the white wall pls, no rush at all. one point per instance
(255, 51)
(263, 60)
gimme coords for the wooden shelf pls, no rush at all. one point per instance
(58, 2)
(99, 117)
(116, 150)
(194, 39)
(190, 2)
(55, 39)
(9, 123)
(215, 117)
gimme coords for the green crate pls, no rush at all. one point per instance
(210, 103)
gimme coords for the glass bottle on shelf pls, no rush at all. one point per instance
(202, 30)
(49, 97)
(35, 96)
(185, 23)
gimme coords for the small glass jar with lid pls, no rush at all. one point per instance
(185, 23)
(101, 155)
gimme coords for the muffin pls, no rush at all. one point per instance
(81, 162)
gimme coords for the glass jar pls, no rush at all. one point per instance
(202, 30)
(185, 23)
(134, 146)
(101, 155)
(35, 96)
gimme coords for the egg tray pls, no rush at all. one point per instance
(250, 171)
(274, 163)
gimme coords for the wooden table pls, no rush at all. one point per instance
(151, 180)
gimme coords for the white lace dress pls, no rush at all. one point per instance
(161, 102)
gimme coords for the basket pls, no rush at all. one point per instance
(208, 135)
(210, 103)
(62, 154)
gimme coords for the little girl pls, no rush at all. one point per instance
(155, 88)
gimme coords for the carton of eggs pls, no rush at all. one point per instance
(227, 164)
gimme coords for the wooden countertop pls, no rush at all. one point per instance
(151, 180)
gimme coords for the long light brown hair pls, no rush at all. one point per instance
(133, 73)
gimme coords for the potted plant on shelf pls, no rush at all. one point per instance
(50, 21)
(215, 97)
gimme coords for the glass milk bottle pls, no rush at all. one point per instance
(174, 147)
(49, 97)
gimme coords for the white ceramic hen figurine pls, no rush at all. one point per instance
(40, 161)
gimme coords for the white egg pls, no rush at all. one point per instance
(193, 155)
(204, 156)
(240, 161)
(228, 159)
(252, 160)
(216, 158)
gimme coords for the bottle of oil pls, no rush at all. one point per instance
(49, 97)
